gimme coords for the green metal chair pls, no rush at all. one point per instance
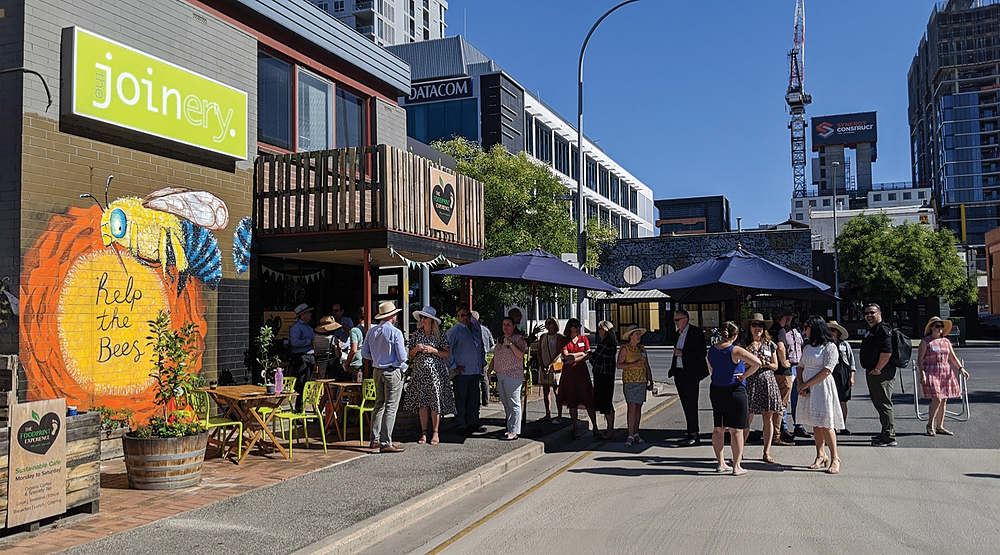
(287, 384)
(311, 395)
(202, 409)
(367, 405)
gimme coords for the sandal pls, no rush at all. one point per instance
(820, 462)
(628, 442)
(576, 433)
(435, 439)
(556, 421)
(423, 437)
(768, 459)
(638, 439)
(930, 430)
(944, 432)
(722, 468)
(834, 467)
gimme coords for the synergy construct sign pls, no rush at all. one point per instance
(844, 129)
(120, 86)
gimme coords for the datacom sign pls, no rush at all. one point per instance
(123, 87)
(452, 89)
(844, 129)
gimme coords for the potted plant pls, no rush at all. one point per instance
(268, 361)
(167, 452)
(114, 423)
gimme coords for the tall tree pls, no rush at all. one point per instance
(521, 213)
(894, 265)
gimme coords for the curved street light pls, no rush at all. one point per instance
(581, 233)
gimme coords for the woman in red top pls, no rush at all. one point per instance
(576, 390)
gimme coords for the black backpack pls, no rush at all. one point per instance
(901, 349)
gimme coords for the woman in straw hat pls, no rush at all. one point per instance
(763, 395)
(843, 373)
(327, 348)
(730, 365)
(429, 392)
(637, 378)
(938, 381)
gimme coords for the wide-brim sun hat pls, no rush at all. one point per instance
(626, 335)
(605, 325)
(302, 308)
(386, 309)
(327, 324)
(948, 325)
(426, 312)
(834, 325)
(757, 317)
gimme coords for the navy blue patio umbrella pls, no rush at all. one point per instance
(736, 274)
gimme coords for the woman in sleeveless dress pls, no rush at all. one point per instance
(429, 391)
(938, 381)
(763, 395)
(819, 404)
(549, 346)
(637, 378)
(729, 366)
(576, 389)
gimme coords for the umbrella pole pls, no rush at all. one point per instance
(534, 318)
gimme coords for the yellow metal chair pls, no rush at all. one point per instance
(311, 395)
(287, 384)
(367, 405)
(202, 409)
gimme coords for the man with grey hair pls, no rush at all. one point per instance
(688, 367)
(385, 347)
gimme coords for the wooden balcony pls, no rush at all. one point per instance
(377, 198)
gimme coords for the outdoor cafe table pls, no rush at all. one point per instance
(334, 394)
(241, 403)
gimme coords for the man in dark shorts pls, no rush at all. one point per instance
(876, 350)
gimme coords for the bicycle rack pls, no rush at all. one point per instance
(962, 416)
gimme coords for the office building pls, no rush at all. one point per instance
(686, 216)
(879, 195)
(388, 22)
(459, 90)
(954, 91)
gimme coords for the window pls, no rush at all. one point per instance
(615, 188)
(274, 101)
(543, 143)
(634, 202)
(562, 155)
(877, 197)
(892, 196)
(798, 204)
(591, 211)
(920, 194)
(427, 19)
(574, 163)
(443, 120)
(604, 178)
(315, 113)
(798, 216)
(625, 192)
(826, 202)
(632, 275)
(350, 119)
(338, 6)
(529, 134)
(427, 34)
(907, 196)
(812, 204)
(591, 173)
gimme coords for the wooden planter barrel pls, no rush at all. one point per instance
(164, 462)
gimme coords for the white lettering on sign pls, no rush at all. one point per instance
(442, 90)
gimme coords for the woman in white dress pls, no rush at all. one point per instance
(819, 405)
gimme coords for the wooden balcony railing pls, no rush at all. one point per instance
(377, 187)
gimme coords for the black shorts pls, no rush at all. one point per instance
(729, 406)
(842, 382)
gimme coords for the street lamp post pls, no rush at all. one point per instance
(836, 267)
(581, 205)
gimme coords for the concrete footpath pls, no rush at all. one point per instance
(347, 506)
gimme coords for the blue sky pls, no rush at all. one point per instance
(689, 96)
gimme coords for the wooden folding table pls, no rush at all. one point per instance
(241, 403)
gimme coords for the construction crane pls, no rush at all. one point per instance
(797, 99)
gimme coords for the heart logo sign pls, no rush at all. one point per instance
(38, 434)
(443, 196)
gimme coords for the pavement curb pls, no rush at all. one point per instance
(370, 531)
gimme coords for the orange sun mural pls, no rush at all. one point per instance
(84, 313)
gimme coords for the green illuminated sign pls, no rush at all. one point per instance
(118, 85)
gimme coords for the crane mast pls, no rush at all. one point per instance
(797, 100)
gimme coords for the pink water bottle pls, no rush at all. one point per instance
(279, 377)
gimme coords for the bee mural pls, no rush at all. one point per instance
(169, 227)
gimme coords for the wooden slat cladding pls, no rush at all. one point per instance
(376, 187)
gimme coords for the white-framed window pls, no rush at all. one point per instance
(315, 105)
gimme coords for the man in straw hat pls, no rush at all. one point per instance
(385, 347)
(689, 367)
(300, 340)
(327, 348)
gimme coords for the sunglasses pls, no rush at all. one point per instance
(337, 310)
(464, 315)
(756, 324)
(870, 312)
(679, 319)
(938, 326)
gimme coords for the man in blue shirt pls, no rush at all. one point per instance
(466, 359)
(300, 340)
(385, 347)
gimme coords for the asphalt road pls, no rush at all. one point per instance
(927, 495)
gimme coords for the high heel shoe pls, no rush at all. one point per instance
(944, 432)
(423, 437)
(834, 467)
(820, 462)
(930, 430)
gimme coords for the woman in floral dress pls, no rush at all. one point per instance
(763, 395)
(937, 379)
(429, 390)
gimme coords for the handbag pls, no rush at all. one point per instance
(557, 366)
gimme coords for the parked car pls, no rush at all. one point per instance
(989, 325)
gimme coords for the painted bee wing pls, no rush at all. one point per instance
(198, 207)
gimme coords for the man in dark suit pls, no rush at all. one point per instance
(688, 368)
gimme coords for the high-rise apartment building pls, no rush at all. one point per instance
(954, 105)
(389, 22)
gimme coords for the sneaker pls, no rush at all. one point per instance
(884, 442)
(845, 432)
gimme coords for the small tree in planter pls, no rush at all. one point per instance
(154, 449)
(268, 361)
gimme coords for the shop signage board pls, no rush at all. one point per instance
(451, 89)
(443, 197)
(36, 482)
(844, 129)
(118, 85)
